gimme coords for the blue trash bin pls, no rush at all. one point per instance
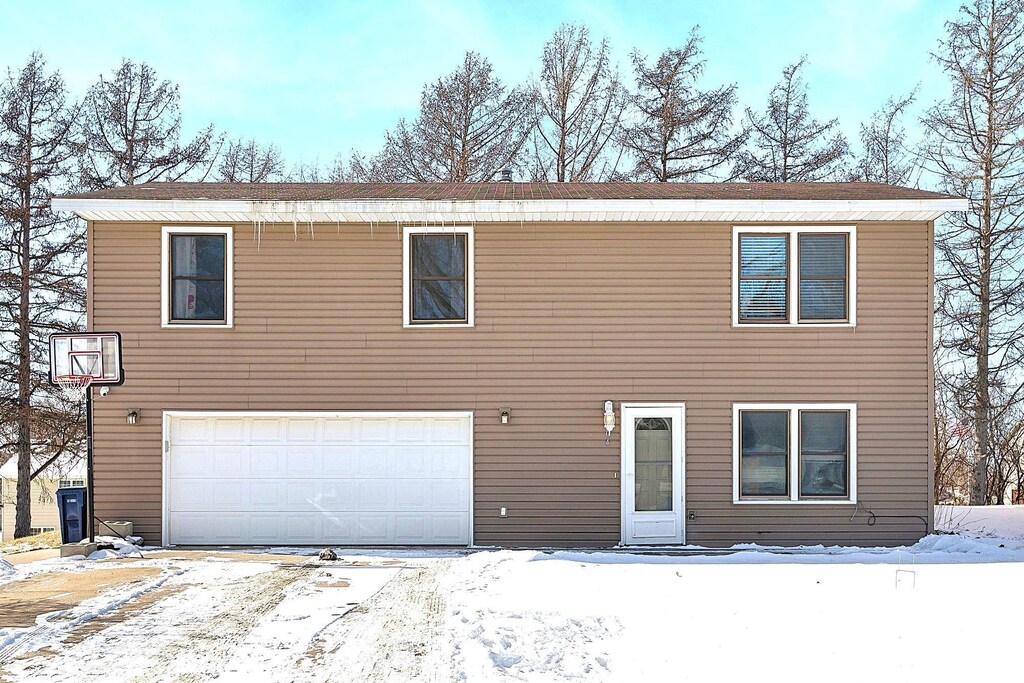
(72, 506)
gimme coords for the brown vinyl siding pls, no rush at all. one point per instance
(567, 316)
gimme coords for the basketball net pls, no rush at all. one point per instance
(73, 387)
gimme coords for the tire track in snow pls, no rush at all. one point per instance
(397, 635)
(201, 645)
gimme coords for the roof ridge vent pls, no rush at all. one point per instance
(506, 175)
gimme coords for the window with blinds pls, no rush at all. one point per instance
(791, 276)
(823, 276)
(764, 278)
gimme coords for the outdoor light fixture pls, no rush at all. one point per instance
(133, 416)
(609, 420)
(506, 415)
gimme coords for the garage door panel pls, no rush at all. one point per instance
(228, 460)
(266, 461)
(268, 528)
(188, 430)
(268, 494)
(323, 479)
(227, 431)
(189, 462)
(448, 462)
(372, 461)
(339, 431)
(411, 430)
(374, 430)
(302, 462)
(301, 430)
(303, 528)
(266, 430)
(449, 430)
(372, 528)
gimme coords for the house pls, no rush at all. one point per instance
(515, 364)
(44, 501)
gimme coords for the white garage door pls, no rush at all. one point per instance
(317, 479)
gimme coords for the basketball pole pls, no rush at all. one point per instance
(88, 463)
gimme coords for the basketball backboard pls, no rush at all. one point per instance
(86, 354)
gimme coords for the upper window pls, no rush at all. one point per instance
(795, 453)
(438, 284)
(197, 276)
(794, 276)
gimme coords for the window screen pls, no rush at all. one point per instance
(823, 276)
(438, 278)
(824, 453)
(763, 278)
(764, 453)
(197, 278)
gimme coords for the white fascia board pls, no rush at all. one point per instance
(534, 210)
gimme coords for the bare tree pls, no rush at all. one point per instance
(131, 127)
(786, 143)
(41, 253)
(886, 157)
(246, 161)
(976, 146)
(580, 104)
(469, 127)
(681, 132)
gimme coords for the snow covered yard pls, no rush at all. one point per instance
(841, 614)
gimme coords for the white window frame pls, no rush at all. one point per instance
(793, 304)
(408, 232)
(165, 275)
(794, 453)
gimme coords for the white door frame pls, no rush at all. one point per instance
(628, 413)
(165, 445)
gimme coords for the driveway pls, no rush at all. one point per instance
(197, 615)
(403, 616)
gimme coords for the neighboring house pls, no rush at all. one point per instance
(430, 363)
(44, 502)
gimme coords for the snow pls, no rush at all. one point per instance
(770, 613)
(782, 613)
(991, 520)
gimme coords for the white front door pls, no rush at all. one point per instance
(653, 438)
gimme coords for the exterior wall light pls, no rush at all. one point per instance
(506, 415)
(133, 416)
(609, 420)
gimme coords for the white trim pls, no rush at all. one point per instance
(229, 279)
(794, 409)
(793, 303)
(168, 415)
(540, 210)
(407, 234)
(679, 472)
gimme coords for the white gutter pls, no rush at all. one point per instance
(533, 210)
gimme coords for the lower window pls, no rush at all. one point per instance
(794, 453)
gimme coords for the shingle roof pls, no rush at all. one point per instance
(301, 192)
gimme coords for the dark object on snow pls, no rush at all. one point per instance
(328, 554)
(73, 509)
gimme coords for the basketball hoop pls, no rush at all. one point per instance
(73, 387)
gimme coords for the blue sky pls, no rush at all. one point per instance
(319, 78)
